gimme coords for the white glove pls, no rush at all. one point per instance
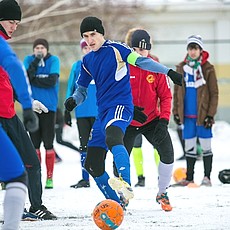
(39, 107)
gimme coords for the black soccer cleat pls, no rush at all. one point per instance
(43, 213)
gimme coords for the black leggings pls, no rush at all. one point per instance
(18, 135)
(165, 149)
(84, 125)
(46, 131)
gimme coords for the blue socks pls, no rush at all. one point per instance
(102, 183)
(121, 159)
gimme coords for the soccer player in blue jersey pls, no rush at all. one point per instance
(107, 64)
(43, 70)
(13, 174)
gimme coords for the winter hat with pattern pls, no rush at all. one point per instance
(41, 41)
(141, 39)
(10, 10)
(91, 24)
(195, 39)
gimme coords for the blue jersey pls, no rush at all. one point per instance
(46, 95)
(190, 99)
(108, 66)
(12, 73)
(88, 108)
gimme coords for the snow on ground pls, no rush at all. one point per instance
(193, 208)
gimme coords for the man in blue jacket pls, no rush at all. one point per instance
(107, 64)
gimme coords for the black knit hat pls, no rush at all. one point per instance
(141, 39)
(41, 41)
(91, 24)
(10, 10)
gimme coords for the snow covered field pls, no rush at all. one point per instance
(200, 208)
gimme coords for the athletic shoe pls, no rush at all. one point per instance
(43, 213)
(121, 187)
(182, 183)
(81, 184)
(206, 182)
(141, 182)
(57, 159)
(49, 184)
(123, 201)
(164, 201)
(27, 216)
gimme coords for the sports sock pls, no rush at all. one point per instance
(138, 160)
(190, 161)
(14, 202)
(121, 159)
(165, 174)
(50, 160)
(207, 159)
(102, 183)
(156, 157)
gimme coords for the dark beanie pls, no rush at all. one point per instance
(91, 24)
(41, 41)
(141, 39)
(10, 10)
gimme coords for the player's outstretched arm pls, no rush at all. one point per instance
(149, 64)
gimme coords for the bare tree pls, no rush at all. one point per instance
(59, 21)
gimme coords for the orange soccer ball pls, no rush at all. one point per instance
(179, 174)
(108, 214)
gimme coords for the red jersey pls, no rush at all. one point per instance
(6, 96)
(6, 91)
(152, 92)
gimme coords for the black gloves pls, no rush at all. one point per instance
(67, 117)
(30, 120)
(208, 122)
(33, 67)
(39, 55)
(138, 115)
(175, 77)
(177, 119)
(70, 104)
(160, 132)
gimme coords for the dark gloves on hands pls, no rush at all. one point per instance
(30, 120)
(39, 55)
(70, 104)
(67, 117)
(175, 77)
(208, 122)
(177, 119)
(160, 132)
(138, 115)
(33, 66)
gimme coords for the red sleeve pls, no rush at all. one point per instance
(165, 96)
